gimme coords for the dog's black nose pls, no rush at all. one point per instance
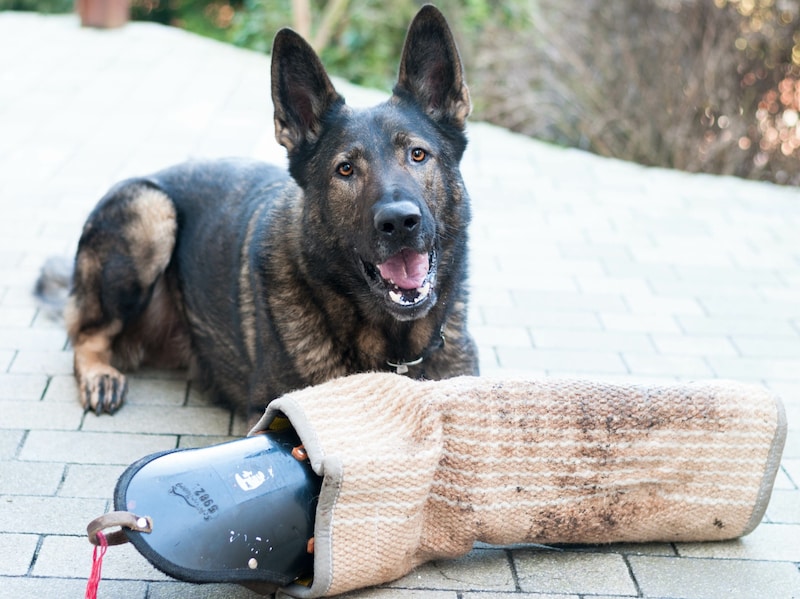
(397, 217)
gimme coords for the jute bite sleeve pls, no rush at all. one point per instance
(414, 471)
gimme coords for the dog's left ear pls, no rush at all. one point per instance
(431, 71)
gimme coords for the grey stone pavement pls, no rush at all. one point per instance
(580, 266)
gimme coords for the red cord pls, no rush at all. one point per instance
(97, 564)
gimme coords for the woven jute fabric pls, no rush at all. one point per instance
(414, 471)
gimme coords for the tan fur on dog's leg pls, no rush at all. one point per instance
(101, 386)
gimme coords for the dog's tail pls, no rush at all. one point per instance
(52, 286)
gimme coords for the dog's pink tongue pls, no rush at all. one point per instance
(406, 269)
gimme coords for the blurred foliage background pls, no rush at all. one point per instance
(700, 85)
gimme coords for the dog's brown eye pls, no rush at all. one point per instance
(418, 154)
(345, 169)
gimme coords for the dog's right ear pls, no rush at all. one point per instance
(302, 93)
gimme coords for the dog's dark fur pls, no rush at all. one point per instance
(266, 283)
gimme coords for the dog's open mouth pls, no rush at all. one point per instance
(406, 279)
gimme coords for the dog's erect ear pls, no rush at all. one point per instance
(431, 71)
(302, 93)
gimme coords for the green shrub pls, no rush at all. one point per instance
(43, 6)
(366, 39)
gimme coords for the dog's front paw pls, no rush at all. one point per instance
(103, 390)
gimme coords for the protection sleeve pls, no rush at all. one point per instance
(414, 471)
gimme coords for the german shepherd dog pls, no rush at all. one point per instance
(264, 282)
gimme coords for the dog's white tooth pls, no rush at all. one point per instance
(422, 292)
(396, 297)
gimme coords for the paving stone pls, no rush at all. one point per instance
(666, 577)
(639, 323)
(694, 345)
(509, 337)
(595, 340)
(15, 587)
(484, 295)
(740, 325)
(239, 427)
(782, 482)
(162, 419)
(39, 414)
(561, 360)
(753, 368)
(700, 288)
(738, 306)
(33, 339)
(490, 595)
(497, 278)
(593, 251)
(629, 268)
(377, 593)
(66, 556)
(43, 515)
(649, 304)
(198, 397)
(184, 590)
(773, 542)
(6, 359)
(92, 448)
(571, 572)
(784, 506)
(768, 347)
(30, 478)
(537, 319)
(22, 386)
(786, 292)
(15, 315)
(33, 361)
(792, 468)
(63, 388)
(738, 276)
(90, 480)
(789, 392)
(494, 370)
(684, 253)
(792, 449)
(190, 441)
(680, 366)
(623, 286)
(16, 554)
(626, 548)
(10, 442)
(485, 568)
(574, 302)
(153, 391)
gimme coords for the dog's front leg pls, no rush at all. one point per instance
(101, 386)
